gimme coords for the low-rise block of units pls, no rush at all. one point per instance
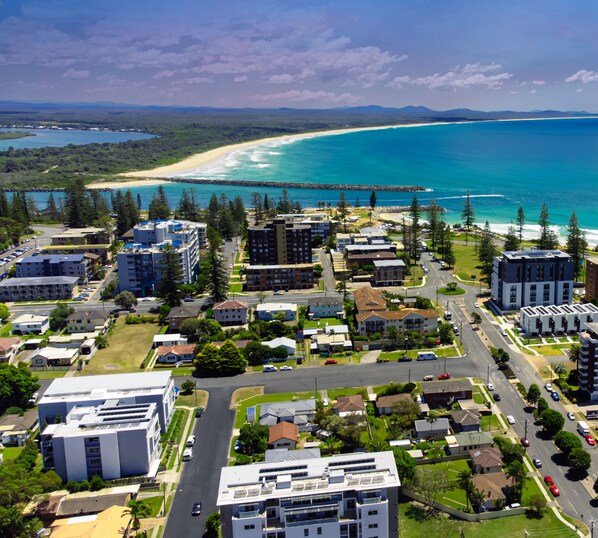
(44, 288)
(55, 265)
(88, 321)
(360, 260)
(231, 312)
(102, 252)
(368, 299)
(445, 393)
(326, 307)
(83, 236)
(389, 272)
(30, 324)
(179, 314)
(349, 495)
(271, 311)
(279, 277)
(423, 321)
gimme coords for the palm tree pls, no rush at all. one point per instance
(575, 354)
(560, 370)
(477, 498)
(137, 510)
(465, 483)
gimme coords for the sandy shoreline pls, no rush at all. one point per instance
(126, 184)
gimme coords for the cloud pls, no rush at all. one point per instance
(538, 82)
(458, 78)
(73, 73)
(579, 90)
(321, 96)
(164, 74)
(533, 91)
(196, 80)
(286, 78)
(241, 78)
(583, 76)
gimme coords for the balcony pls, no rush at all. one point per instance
(371, 500)
(248, 513)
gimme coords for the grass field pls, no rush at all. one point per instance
(49, 374)
(466, 260)
(449, 351)
(553, 349)
(5, 330)
(11, 452)
(314, 324)
(188, 400)
(128, 346)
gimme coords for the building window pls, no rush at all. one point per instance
(373, 526)
(319, 530)
(305, 532)
(372, 512)
(249, 527)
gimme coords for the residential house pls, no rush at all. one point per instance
(494, 487)
(273, 311)
(486, 460)
(169, 340)
(301, 412)
(368, 299)
(30, 324)
(331, 342)
(325, 307)
(386, 404)
(88, 321)
(174, 354)
(349, 405)
(231, 312)
(114, 522)
(463, 443)
(423, 321)
(288, 343)
(9, 347)
(179, 314)
(445, 393)
(54, 356)
(437, 429)
(16, 429)
(283, 435)
(465, 420)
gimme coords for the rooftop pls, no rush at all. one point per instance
(29, 318)
(284, 454)
(183, 349)
(532, 254)
(82, 315)
(389, 263)
(283, 430)
(229, 305)
(52, 258)
(266, 307)
(39, 281)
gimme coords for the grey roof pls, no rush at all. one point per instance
(389, 263)
(438, 387)
(52, 258)
(465, 417)
(423, 426)
(473, 438)
(82, 315)
(535, 254)
(39, 281)
(280, 409)
(324, 300)
(184, 311)
(284, 454)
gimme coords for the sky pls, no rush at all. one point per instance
(485, 55)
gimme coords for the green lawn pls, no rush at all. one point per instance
(448, 351)
(266, 398)
(529, 488)
(188, 400)
(154, 503)
(128, 346)
(416, 522)
(235, 287)
(5, 330)
(333, 394)
(489, 423)
(177, 371)
(322, 322)
(444, 291)
(11, 452)
(260, 368)
(552, 349)
(49, 374)
(466, 260)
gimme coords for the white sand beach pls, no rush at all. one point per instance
(126, 184)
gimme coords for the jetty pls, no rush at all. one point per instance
(297, 185)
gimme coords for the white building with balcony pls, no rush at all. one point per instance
(557, 319)
(344, 496)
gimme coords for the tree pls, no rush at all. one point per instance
(408, 408)
(96, 483)
(533, 394)
(576, 245)
(467, 215)
(541, 406)
(233, 360)
(190, 328)
(52, 210)
(17, 385)
(372, 204)
(566, 441)
(486, 251)
(414, 246)
(58, 316)
(159, 208)
(434, 214)
(77, 205)
(548, 239)
(212, 528)
(579, 459)
(431, 482)
(217, 284)
(126, 300)
(101, 341)
(137, 510)
(516, 472)
(253, 438)
(575, 354)
(4, 312)
(405, 465)
(343, 209)
(188, 386)
(171, 276)
(552, 421)
(537, 503)
(465, 483)
(511, 240)
(520, 223)
(260, 296)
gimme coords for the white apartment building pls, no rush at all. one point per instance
(113, 440)
(344, 496)
(148, 387)
(140, 264)
(557, 319)
(320, 223)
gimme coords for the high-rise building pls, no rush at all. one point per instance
(591, 279)
(279, 242)
(532, 278)
(344, 496)
(588, 361)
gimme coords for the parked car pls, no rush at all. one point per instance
(548, 480)
(198, 412)
(496, 397)
(189, 299)
(405, 359)
(490, 387)
(555, 396)
(570, 416)
(537, 463)
(524, 441)
(330, 361)
(510, 419)
(554, 490)
(428, 377)
(285, 368)
(477, 305)
(548, 387)
(444, 376)
(196, 510)
(591, 441)
(504, 333)
(237, 446)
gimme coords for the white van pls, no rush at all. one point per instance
(583, 428)
(190, 441)
(447, 315)
(426, 356)
(188, 454)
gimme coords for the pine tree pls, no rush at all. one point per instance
(343, 209)
(184, 208)
(99, 206)
(53, 214)
(511, 240)
(4, 205)
(139, 201)
(77, 205)
(357, 203)
(415, 215)
(373, 202)
(213, 212)
(548, 239)
(576, 244)
(520, 223)
(258, 207)
(218, 278)
(486, 251)
(159, 208)
(468, 215)
(171, 275)
(131, 210)
(434, 212)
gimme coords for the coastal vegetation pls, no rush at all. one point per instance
(13, 135)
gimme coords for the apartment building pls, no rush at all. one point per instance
(83, 236)
(320, 223)
(55, 265)
(140, 264)
(588, 362)
(279, 277)
(45, 288)
(561, 319)
(113, 440)
(406, 320)
(389, 272)
(279, 242)
(138, 388)
(532, 278)
(231, 312)
(591, 279)
(344, 496)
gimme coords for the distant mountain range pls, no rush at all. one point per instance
(411, 112)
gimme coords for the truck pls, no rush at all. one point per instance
(583, 428)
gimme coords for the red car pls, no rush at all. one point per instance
(549, 481)
(554, 490)
(331, 361)
(444, 376)
(591, 441)
(524, 441)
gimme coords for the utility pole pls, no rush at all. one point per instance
(316, 380)
(195, 391)
(409, 379)
(525, 433)
(445, 365)
(488, 375)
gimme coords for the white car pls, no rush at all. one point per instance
(570, 416)
(477, 305)
(548, 387)
(285, 367)
(510, 419)
(490, 387)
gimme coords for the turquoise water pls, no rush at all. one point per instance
(59, 138)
